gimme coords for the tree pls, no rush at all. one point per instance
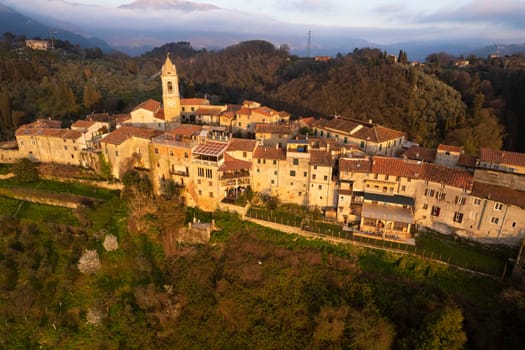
(89, 262)
(442, 329)
(25, 171)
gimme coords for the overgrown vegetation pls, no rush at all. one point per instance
(250, 287)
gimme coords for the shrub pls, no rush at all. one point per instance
(25, 171)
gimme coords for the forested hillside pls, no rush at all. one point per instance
(475, 107)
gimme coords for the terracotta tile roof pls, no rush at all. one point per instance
(307, 121)
(211, 148)
(262, 152)
(272, 129)
(101, 117)
(360, 165)
(42, 123)
(321, 158)
(342, 125)
(421, 153)
(233, 107)
(228, 115)
(71, 134)
(358, 129)
(467, 161)
(423, 171)
(207, 111)
(284, 114)
(149, 105)
(193, 101)
(186, 130)
(244, 145)
(245, 111)
(123, 133)
(83, 124)
(449, 176)
(499, 194)
(448, 148)
(50, 132)
(160, 114)
(120, 118)
(231, 163)
(502, 157)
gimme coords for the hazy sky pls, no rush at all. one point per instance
(377, 13)
(377, 21)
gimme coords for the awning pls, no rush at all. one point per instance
(387, 213)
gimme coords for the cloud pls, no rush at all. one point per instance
(510, 14)
(390, 9)
(306, 5)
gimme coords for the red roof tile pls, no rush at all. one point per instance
(242, 145)
(262, 152)
(149, 105)
(186, 130)
(120, 118)
(499, 194)
(211, 148)
(467, 161)
(421, 153)
(502, 157)
(272, 129)
(307, 121)
(193, 101)
(207, 111)
(244, 111)
(360, 165)
(160, 114)
(423, 171)
(231, 163)
(123, 133)
(83, 124)
(321, 158)
(448, 148)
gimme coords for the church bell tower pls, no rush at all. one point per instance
(170, 91)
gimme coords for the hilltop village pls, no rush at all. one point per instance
(359, 174)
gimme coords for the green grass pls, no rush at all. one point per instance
(64, 187)
(278, 216)
(37, 213)
(461, 252)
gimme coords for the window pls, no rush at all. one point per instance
(513, 224)
(65, 148)
(170, 87)
(458, 217)
(33, 142)
(320, 187)
(385, 189)
(274, 162)
(326, 177)
(258, 161)
(313, 176)
(300, 193)
(183, 109)
(193, 109)
(21, 143)
(403, 188)
(435, 211)
(275, 172)
(425, 206)
(498, 206)
(200, 193)
(200, 172)
(387, 177)
(273, 182)
(376, 176)
(441, 196)
(305, 174)
(186, 155)
(116, 153)
(209, 173)
(156, 151)
(258, 170)
(171, 153)
(477, 201)
(494, 220)
(292, 172)
(211, 194)
(429, 193)
(295, 161)
(315, 167)
(158, 165)
(199, 182)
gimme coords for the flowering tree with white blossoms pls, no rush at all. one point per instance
(89, 263)
(110, 243)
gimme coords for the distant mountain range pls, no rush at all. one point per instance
(145, 24)
(18, 24)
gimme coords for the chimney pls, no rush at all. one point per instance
(370, 121)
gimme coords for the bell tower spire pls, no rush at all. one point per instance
(170, 91)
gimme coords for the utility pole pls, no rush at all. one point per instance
(309, 43)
